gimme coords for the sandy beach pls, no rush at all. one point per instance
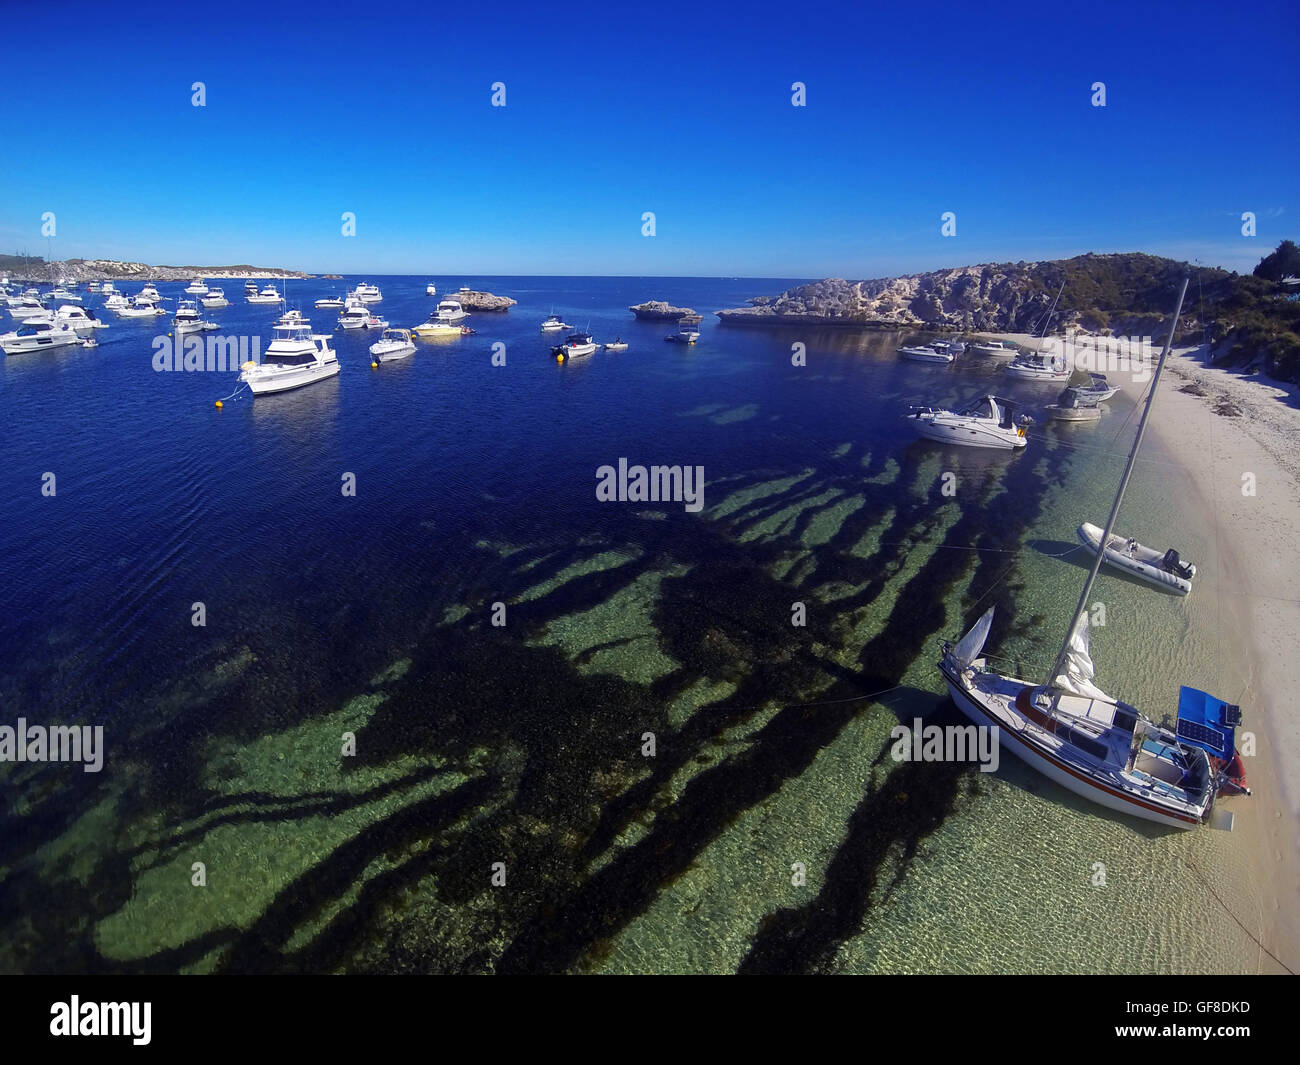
(1223, 429)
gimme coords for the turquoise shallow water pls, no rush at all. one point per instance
(521, 745)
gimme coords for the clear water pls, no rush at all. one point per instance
(521, 744)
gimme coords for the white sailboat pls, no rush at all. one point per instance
(1096, 746)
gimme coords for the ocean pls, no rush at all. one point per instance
(471, 718)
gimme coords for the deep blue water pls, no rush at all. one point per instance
(473, 483)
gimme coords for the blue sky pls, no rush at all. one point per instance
(680, 109)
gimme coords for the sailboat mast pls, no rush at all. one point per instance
(1119, 496)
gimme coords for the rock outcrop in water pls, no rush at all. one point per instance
(482, 301)
(659, 311)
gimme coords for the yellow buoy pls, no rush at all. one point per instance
(559, 358)
(218, 403)
(374, 366)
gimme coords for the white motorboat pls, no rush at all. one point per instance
(994, 348)
(688, 332)
(269, 294)
(81, 320)
(953, 347)
(330, 301)
(197, 287)
(215, 298)
(553, 324)
(27, 307)
(355, 316)
(393, 345)
(367, 293)
(150, 292)
(294, 358)
(115, 301)
(63, 294)
(451, 311)
(1098, 389)
(1164, 569)
(575, 346)
(140, 308)
(987, 422)
(38, 336)
(430, 289)
(1038, 366)
(250, 289)
(619, 344)
(438, 327)
(1096, 746)
(1079, 404)
(189, 320)
(107, 289)
(925, 353)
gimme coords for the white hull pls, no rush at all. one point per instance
(286, 380)
(616, 347)
(1073, 414)
(388, 351)
(27, 312)
(1146, 566)
(925, 355)
(968, 432)
(22, 345)
(265, 299)
(1068, 778)
(578, 351)
(220, 301)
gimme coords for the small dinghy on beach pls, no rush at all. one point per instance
(1163, 569)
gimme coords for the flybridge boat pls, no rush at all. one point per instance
(394, 344)
(197, 287)
(451, 311)
(250, 289)
(38, 336)
(189, 320)
(553, 324)
(986, 422)
(150, 292)
(294, 358)
(115, 301)
(270, 294)
(925, 353)
(430, 289)
(107, 289)
(61, 294)
(1039, 366)
(27, 307)
(1164, 569)
(81, 320)
(366, 293)
(575, 346)
(355, 316)
(215, 298)
(1096, 746)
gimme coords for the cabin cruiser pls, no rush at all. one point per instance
(1039, 366)
(294, 358)
(115, 301)
(293, 317)
(953, 347)
(355, 316)
(575, 346)
(81, 320)
(554, 323)
(250, 289)
(26, 307)
(439, 327)
(215, 298)
(986, 422)
(150, 292)
(107, 289)
(189, 320)
(1098, 388)
(430, 289)
(270, 294)
(62, 294)
(330, 301)
(994, 348)
(925, 353)
(394, 344)
(140, 308)
(451, 311)
(38, 336)
(367, 293)
(197, 287)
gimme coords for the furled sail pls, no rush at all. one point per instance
(968, 648)
(1077, 670)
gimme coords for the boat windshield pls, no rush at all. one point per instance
(984, 407)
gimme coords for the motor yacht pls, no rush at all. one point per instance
(294, 358)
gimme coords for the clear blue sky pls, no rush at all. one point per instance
(682, 109)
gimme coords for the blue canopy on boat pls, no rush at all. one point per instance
(1207, 722)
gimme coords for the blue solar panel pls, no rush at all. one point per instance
(1201, 734)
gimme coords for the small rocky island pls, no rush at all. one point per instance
(482, 301)
(659, 311)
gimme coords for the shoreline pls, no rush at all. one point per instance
(1230, 425)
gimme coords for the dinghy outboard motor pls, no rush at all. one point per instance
(1174, 566)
